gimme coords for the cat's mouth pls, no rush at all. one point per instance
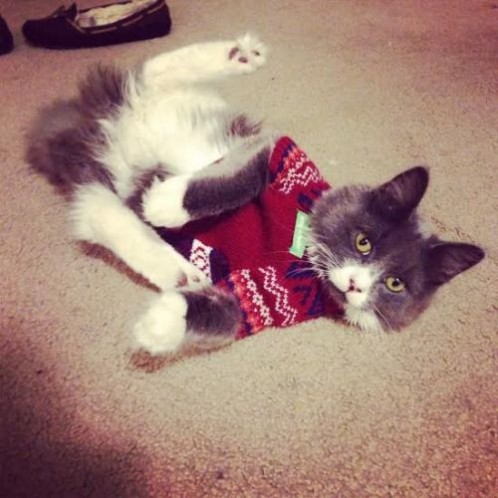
(352, 298)
(352, 290)
(357, 310)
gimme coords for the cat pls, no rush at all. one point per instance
(153, 147)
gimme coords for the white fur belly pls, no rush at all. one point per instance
(171, 131)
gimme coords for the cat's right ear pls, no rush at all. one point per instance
(447, 259)
(397, 198)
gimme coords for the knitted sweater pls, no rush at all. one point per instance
(246, 252)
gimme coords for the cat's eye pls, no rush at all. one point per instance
(363, 244)
(395, 284)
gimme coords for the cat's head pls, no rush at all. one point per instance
(370, 249)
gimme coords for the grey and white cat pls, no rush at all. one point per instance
(135, 149)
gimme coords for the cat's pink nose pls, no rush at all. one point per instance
(353, 287)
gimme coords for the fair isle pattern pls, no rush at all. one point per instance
(257, 313)
(281, 294)
(243, 252)
(298, 171)
(199, 257)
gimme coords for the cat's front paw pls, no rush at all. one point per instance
(171, 273)
(248, 53)
(167, 269)
(163, 327)
(192, 277)
(162, 204)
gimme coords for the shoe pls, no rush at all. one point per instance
(6, 40)
(98, 26)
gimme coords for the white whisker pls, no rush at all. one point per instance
(381, 315)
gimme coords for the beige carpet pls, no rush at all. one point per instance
(366, 88)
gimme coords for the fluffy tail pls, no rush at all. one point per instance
(63, 147)
(66, 137)
(104, 91)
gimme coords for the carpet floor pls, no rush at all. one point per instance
(366, 88)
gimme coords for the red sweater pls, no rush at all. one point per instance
(246, 252)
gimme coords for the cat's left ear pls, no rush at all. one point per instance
(447, 259)
(397, 198)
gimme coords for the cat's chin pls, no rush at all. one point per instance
(361, 318)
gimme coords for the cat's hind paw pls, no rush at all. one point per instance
(248, 53)
(163, 327)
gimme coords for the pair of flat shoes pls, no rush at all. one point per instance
(109, 24)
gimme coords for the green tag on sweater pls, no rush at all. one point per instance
(301, 231)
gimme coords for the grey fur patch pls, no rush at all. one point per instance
(212, 316)
(63, 146)
(236, 180)
(103, 91)
(66, 138)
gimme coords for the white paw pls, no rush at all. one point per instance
(162, 204)
(168, 269)
(192, 277)
(163, 327)
(248, 53)
(165, 273)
